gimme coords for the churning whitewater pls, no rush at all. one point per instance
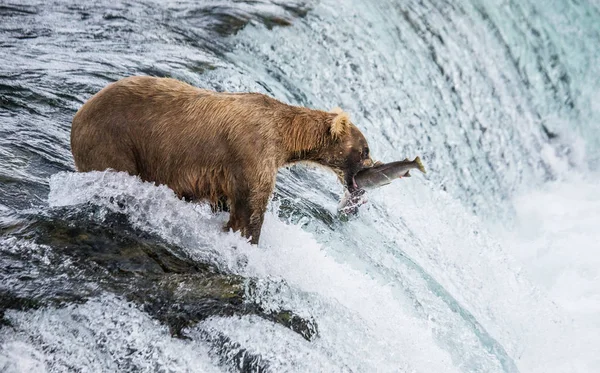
(487, 263)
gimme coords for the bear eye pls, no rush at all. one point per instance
(365, 153)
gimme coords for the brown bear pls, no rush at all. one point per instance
(212, 146)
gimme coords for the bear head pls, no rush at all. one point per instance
(347, 152)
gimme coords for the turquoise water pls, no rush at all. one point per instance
(487, 263)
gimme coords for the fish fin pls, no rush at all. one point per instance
(406, 160)
(420, 165)
(407, 174)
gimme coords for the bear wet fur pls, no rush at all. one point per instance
(212, 146)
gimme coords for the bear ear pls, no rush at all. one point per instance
(340, 123)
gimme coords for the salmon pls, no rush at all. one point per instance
(375, 177)
(383, 174)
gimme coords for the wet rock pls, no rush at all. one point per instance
(114, 257)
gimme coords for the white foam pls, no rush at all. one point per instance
(102, 335)
(20, 357)
(282, 349)
(557, 238)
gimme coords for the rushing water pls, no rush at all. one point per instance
(488, 263)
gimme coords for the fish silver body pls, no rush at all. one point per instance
(383, 174)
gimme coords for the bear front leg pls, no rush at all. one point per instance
(250, 203)
(247, 216)
(258, 203)
(239, 215)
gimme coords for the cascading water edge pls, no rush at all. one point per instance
(484, 264)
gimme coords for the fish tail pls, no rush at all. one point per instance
(420, 165)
